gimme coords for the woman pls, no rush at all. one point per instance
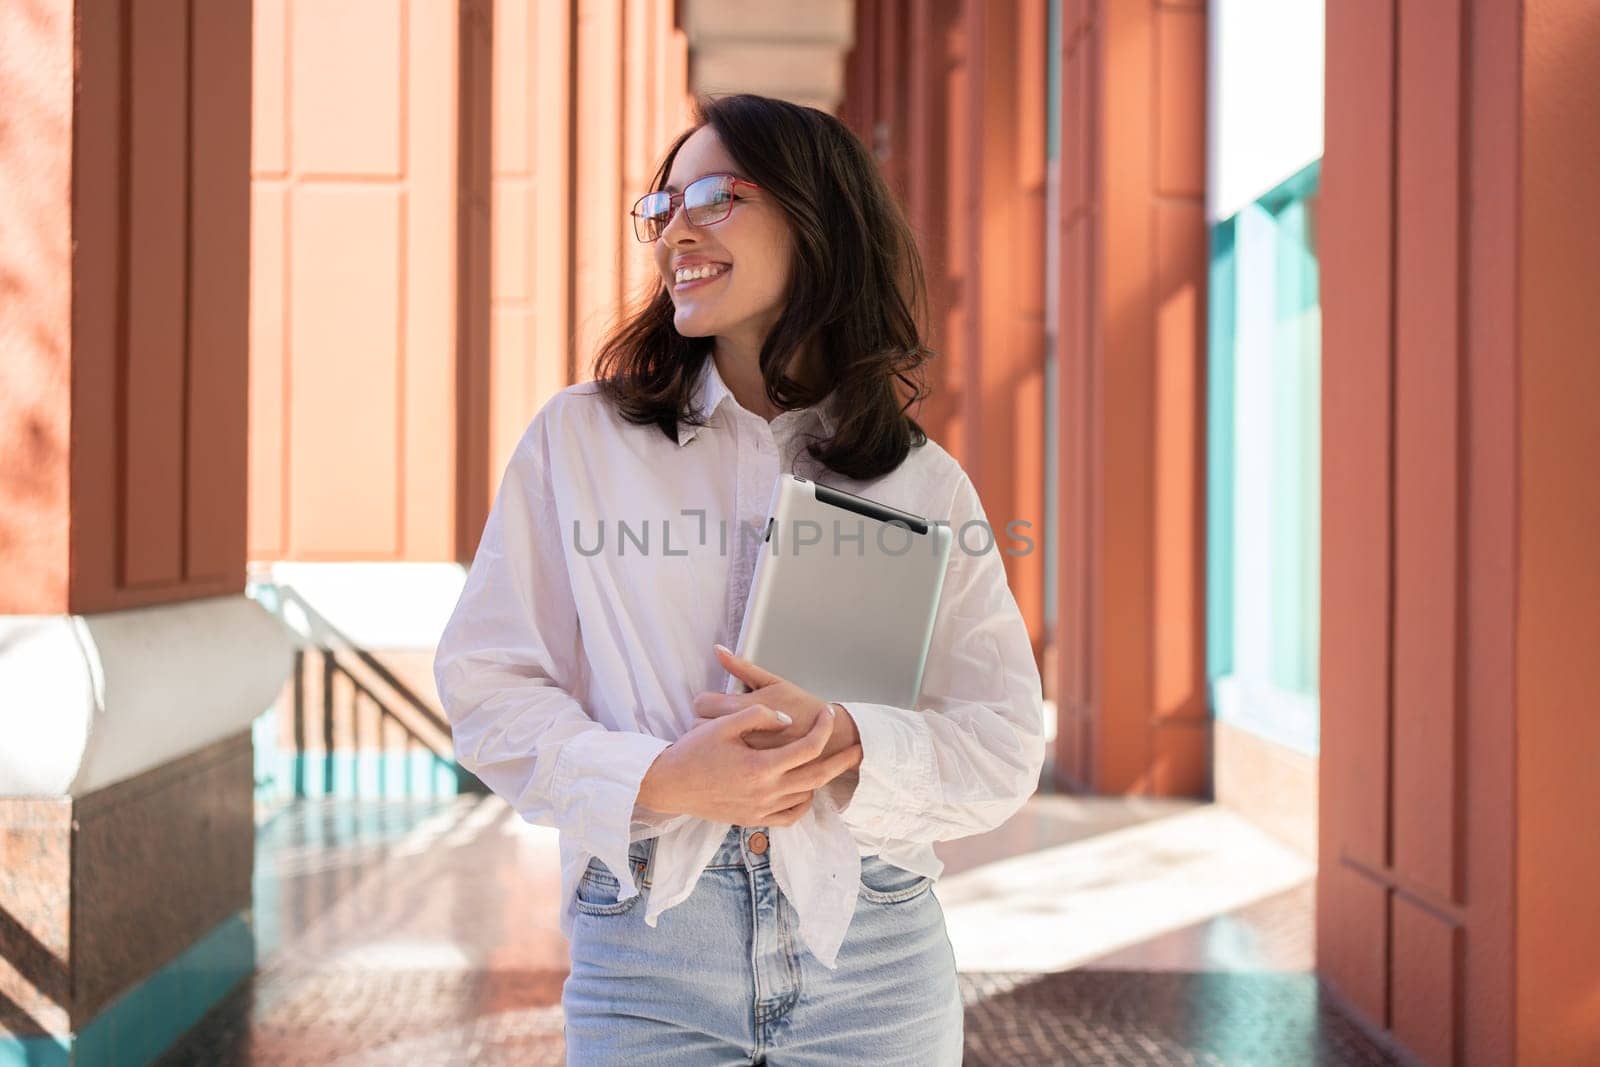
(781, 842)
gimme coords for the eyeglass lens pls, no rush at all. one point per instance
(706, 200)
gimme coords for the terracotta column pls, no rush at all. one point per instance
(131, 661)
(950, 97)
(1131, 683)
(1459, 577)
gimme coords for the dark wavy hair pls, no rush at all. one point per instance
(857, 295)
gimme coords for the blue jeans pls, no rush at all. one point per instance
(723, 977)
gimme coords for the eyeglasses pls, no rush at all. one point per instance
(707, 200)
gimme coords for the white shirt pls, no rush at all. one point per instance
(565, 671)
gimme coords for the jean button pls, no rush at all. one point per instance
(758, 843)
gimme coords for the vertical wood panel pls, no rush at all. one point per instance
(887, 138)
(960, 283)
(154, 374)
(99, 178)
(1427, 391)
(1427, 954)
(1074, 572)
(521, 76)
(1124, 395)
(1356, 264)
(1179, 444)
(1181, 708)
(932, 194)
(597, 236)
(513, 86)
(1027, 41)
(269, 74)
(1002, 369)
(1489, 546)
(1077, 110)
(344, 317)
(218, 297)
(271, 149)
(445, 309)
(1180, 110)
(347, 68)
(268, 398)
(640, 151)
(1077, 636)
(553, 262)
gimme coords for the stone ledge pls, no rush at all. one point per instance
(95, 699)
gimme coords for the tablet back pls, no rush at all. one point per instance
(844, 595)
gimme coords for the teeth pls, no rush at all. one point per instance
(689, 274)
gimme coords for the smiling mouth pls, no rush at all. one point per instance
(693, 282)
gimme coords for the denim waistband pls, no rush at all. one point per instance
(734, 851)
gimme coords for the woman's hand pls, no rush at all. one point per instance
(711, 772)
(768, 690)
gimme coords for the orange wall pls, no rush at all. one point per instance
(354, 279)
(1558, 609)
(439, 195)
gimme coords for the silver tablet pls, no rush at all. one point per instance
(844, 595)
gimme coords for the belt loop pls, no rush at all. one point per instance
(642, 849)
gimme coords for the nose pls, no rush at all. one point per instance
(677, 226)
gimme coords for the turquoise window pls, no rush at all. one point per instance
(1263, 466)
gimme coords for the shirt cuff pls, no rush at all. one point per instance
(596, 785)
(895, 779)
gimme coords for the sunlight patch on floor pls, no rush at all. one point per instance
(1063, 905)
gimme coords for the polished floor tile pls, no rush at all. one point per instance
(1087, 931)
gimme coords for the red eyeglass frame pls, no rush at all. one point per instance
(675, 201)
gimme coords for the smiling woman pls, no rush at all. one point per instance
(742, 873)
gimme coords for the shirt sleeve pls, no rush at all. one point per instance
(969, 755)
(507, 664)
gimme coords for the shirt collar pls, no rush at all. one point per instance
(710, 390)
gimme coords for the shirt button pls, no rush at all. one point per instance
(758, 843)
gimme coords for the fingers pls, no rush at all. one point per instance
(823, 771)
(788, 801)
(808, 747)
(755, 717)
(716, 705)
(790, 815)
(742, 669)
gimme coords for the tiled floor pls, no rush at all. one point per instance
(1086, 931)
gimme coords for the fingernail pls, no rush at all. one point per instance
(784, 718)
(830, 711)
(722, 648)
